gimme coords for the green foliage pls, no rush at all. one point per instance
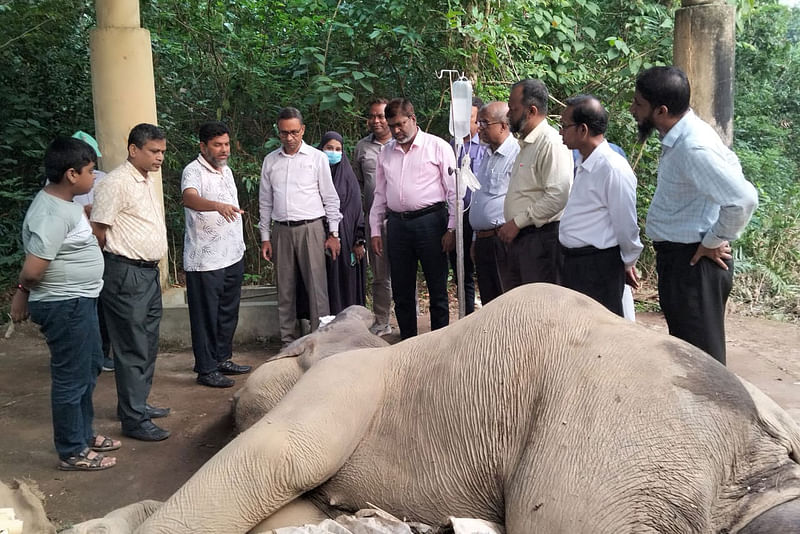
(242, 60)
(766, 121)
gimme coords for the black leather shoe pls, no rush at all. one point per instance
(229, 368)
(147, 431)
(154, 412)
(214, 379)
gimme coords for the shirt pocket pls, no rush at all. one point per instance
(498, 183)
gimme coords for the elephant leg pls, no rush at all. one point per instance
(296, 447)
(782, 518)
(299, 512)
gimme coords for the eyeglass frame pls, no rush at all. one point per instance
(485, 124)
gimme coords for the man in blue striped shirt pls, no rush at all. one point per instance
(701, 203)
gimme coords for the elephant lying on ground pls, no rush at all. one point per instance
(542, 412)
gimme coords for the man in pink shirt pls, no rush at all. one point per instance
(415, 194)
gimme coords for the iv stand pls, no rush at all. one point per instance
(459, 143)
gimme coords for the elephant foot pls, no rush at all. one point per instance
(782, 518)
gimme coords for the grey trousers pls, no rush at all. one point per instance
(381, 282)
(131, 299)
(300, 248)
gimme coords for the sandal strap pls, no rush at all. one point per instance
(82, 459)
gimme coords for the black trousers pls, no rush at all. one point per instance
(132, 307)
(412, 241)
(491, 264)
(535, 255)
(597, 273)
(693, 298)
(213, 298)
(469, 268)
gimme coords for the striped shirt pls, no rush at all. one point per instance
(701, 194)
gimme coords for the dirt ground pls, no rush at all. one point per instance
(765, 353)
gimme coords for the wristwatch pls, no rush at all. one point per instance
(334, 234)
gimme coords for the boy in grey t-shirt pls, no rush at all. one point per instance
(59, 283)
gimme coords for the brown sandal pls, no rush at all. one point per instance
(105, 445)
(82, 462)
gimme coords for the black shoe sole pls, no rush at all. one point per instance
(234, 372)
(146, 437)
(216, 384)
(157, 414)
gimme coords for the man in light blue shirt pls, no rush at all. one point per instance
(701, 203)
(486, 212)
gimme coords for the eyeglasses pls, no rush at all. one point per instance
(565, 126)
(399, 125)
(485, 124)
(289, 133)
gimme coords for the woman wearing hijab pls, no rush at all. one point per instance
(346, 274)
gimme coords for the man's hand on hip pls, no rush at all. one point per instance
(266, 250)
(334, 245)
(508, 232)
(377, 246)
(717, 255)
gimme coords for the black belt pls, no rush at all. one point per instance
(405, 215)
(549, 227)
(587, 250)
(129, 261)
(670, 246)
(297, 223)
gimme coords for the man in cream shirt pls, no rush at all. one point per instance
(538, 189)
(128, 221)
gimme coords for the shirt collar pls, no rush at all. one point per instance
(207, 165)
(506, 147)
(678, 129)
(598, 152)
(133, 171)
(304, 149)
(536, 132)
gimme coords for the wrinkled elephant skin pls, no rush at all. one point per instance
(542, 411)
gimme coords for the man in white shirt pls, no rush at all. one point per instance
(296, 192)
(213, 256)
(599, 233)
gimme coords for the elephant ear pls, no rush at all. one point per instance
(306, 345)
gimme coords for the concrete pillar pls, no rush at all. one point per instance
(123, 86)
(705, 37)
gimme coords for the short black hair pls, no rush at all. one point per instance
(665, 86)
(477, 102)
(211, 129)
(290, 113)
(144, 132)
(587, 109)
(534, 93)
(376, 101)
(399, 106)
(65, 153)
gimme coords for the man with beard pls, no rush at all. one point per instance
(365, 161)
(415, 194)
(296, 192)
(701, 203)
(213, 256)
(538, 189)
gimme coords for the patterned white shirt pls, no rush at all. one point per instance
(210, 242)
